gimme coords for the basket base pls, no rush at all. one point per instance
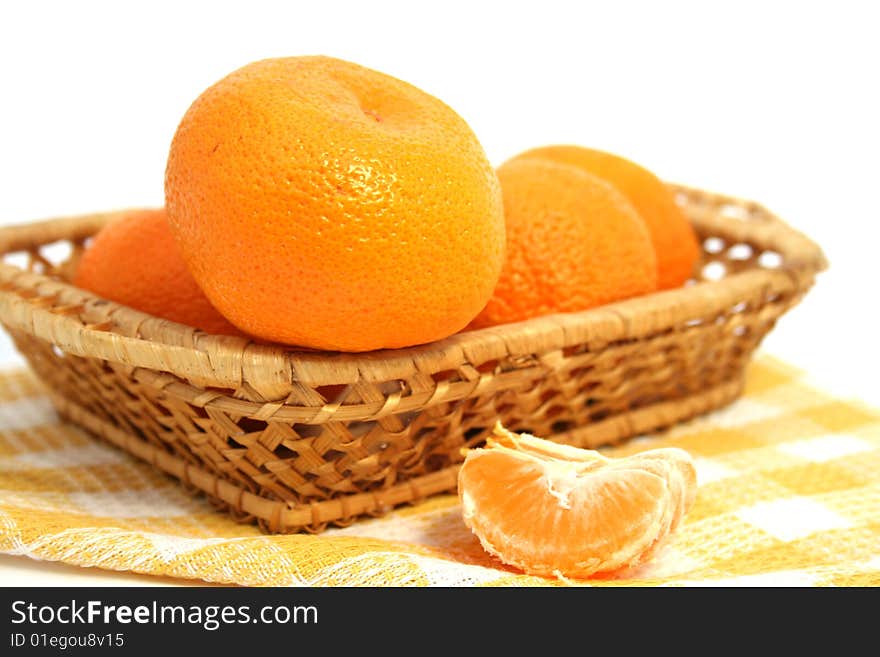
(651, 418)
(279, 517)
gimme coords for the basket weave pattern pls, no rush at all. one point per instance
(298, 440)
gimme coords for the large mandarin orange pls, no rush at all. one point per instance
(557, 510)
(134, 261)
(573, 243)
(675, 242)
(327, 205)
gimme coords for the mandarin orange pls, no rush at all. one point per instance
(327, 205)
(134, 261)
(675, 242)
(557, 510)
(573, 243)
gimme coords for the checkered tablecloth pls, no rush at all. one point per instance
(789, 495)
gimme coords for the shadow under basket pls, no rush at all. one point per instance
(299, 440)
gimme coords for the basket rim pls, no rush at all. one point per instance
(86, 325)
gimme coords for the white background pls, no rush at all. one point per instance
(774, 101)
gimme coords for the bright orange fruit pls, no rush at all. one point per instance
(323, 204)
(551, 509)
(675, 242)
(573, 242)
(134, 261)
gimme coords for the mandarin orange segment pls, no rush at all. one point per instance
(134, 261)
(672, 235)
(323, 204)
(557, 510)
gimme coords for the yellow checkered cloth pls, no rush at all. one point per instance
(789, 494)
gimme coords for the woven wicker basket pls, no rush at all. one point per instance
(298, 440)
